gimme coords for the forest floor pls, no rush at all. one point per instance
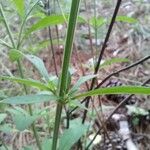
(129, 41)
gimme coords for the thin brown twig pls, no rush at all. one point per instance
(102, 123)
(52, 49)
(51, 40)
(102, 53)
(89, 32)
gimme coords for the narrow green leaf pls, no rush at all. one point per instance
(113, 60)
(81, 81)
(21, 118)
(81, 19)
(2, 117)
(97, 22)
(51, 21)
(116, 90)
(36, 61)
(72, 135)
(52, 84)
(29, 99)
(2, 42)
(126, 19)
(28, 82)
(20, 6)
(45, 22)
(39, 65)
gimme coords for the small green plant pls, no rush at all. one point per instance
(59, 89)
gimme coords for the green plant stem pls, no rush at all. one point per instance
(68, 45)
(23, 23)
(30, 108)
(65, 66)
(21, 74)
(95, 30)
(5, 44)
(57, 123)
(7, 26)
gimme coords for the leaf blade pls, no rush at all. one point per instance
(39, 65)
(20, 7)
(97, 22)
(126, 19)
(29, 99)
(28, 82)
(81, 81)
(72, 135)
(116, 90)
(113, 60)
(21, 118)
(36, 61)
(45, 22)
